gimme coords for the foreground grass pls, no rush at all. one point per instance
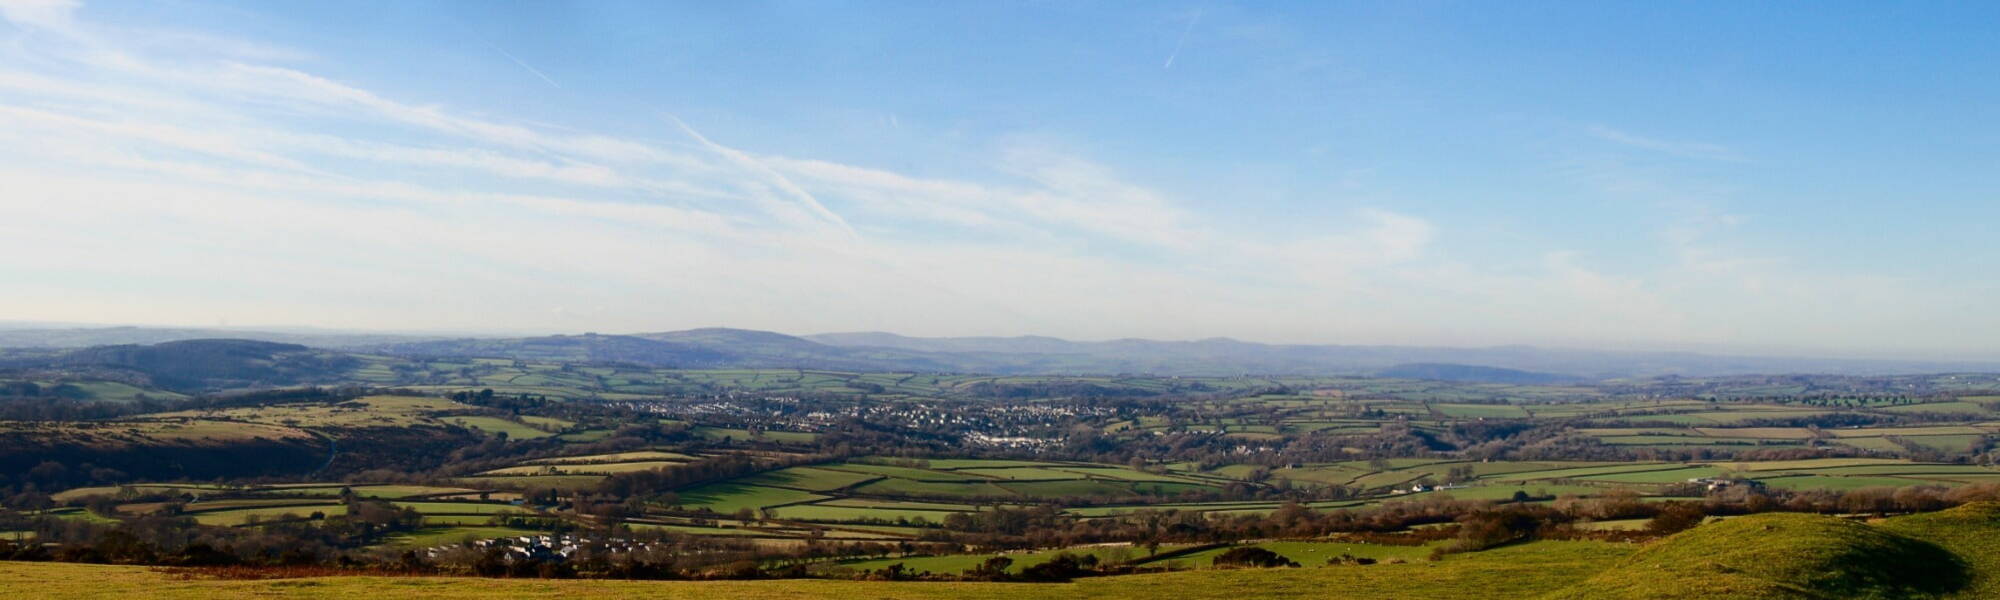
(1948, 555)
(1522, 571)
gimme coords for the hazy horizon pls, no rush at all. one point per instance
(1618, 177)
(1773, 353)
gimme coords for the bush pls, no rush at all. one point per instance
(1252, 556)
(1063, 567)
(1675, 518)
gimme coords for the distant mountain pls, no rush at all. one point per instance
(84, 337)
(1472, 373)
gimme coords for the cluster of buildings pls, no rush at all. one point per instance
(990, 424)
(1717, 484)
(553, 546)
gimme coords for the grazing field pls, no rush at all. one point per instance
(810, 478)
(439, 536)
(370, 411)
(616, 457)
(462, 508)
(729, 497)
(583, 468)
(933, 489)
(780, 437)
(366, 491)
(137, 432)
(496, 425)
(828, 513)
(1824, 482)
(520, 482)
(245, 515)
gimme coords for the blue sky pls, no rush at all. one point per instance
(1748, 177)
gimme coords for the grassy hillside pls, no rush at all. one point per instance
(1524, 571)
(1950, 554)
(1972, 532)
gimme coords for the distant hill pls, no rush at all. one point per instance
(1024, 355)
(198, 365)
(691, 349)
(1472, 373)
(83, 337)
(1224, 356)
(568, 348)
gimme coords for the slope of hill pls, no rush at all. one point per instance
(196, 365)
(1522, 571)
(1972, 532)
(1776, 555)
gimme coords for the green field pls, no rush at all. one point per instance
(615, 457)
(809, 478)
(242, 516)
(496, 425)
(607, 468)
(779, 437)
(1022, 473)
(564, 482)
(822, 512)
(729, 497)
(438, 536)
(461, 508)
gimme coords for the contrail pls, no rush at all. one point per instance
(524, 65)
(774, 178)
(1183, 41)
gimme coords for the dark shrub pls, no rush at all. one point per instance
(1252, 556)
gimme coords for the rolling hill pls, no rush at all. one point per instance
(1025, 355)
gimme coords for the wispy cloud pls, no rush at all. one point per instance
(1182, 41)
(1684, 149)
(220, 179)
(524, 65)
(758, 168)
(43, 14)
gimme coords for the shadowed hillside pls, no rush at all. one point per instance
(1782, 555)
(193, 365)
